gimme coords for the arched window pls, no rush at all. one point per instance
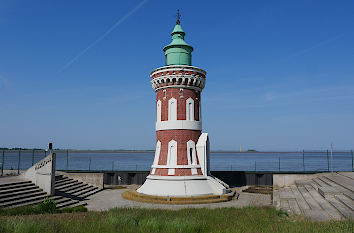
(172, 156)
(190, 109)
(192, 159)
(172, 109)
(158, 111)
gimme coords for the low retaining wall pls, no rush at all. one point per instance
(125, 178)
(232, 178)
(95, 179)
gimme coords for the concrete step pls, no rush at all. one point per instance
(338, 188)
(309, 199)
(80, 203)
(79, 189)
(346, 201)
(21, 196)
(14, 183)
(71, 187)
(301, 182)
(299, 198)
(343, 181)
(90, 193)
(58, 177)
(314, 185)
(16, 190)
(320, 182)
(347, 174)
(83, 191)
(69, 203)
(66, 184)
(24, 201)
(62, 200)
(58, 181)
(33, 202)
(343, 209)
(323, 203)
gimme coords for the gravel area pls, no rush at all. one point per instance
(111, 198)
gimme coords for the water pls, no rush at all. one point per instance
(342, 161)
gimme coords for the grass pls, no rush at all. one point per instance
(46, 207)
(249, 219)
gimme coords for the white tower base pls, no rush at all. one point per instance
(187, 186)
(184, 186)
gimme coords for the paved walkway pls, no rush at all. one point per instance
(111, 198)
(327, 196)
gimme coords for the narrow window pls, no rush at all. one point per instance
(191, 155)
(172, 109)
(190, 109)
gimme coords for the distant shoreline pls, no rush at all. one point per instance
(153, 151)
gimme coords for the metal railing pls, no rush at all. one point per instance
(17, 160)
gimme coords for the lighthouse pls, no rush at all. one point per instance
(181, 163)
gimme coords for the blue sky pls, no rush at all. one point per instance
(280, 74)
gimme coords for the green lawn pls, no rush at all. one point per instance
(250, 219)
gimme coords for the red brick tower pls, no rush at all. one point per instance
(180, 166)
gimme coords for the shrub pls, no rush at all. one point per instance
(47, 206)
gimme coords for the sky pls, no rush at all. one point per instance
(280, 74)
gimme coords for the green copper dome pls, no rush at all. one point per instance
(178, 52)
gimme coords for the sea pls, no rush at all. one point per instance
(219, 161)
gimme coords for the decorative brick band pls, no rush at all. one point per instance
(188, 77)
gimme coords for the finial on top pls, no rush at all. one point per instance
(178, 17)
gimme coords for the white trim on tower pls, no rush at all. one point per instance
(157, 156)
(191, 155)
(172, 109)
(178, 124)
(190, 109)
(158, 110)
(172, 156)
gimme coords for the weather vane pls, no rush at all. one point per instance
(178, 17)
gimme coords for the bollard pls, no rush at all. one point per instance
(3, 161)
(32, 157)
(19, 161)
(303, 159)
(112, 165)
(255, 165)
(327, 160)
(351, 151)
(67, 159)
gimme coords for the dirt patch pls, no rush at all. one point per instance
(259, 189)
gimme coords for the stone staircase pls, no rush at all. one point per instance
(328, 196)
(73, 189)
(68, 192)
